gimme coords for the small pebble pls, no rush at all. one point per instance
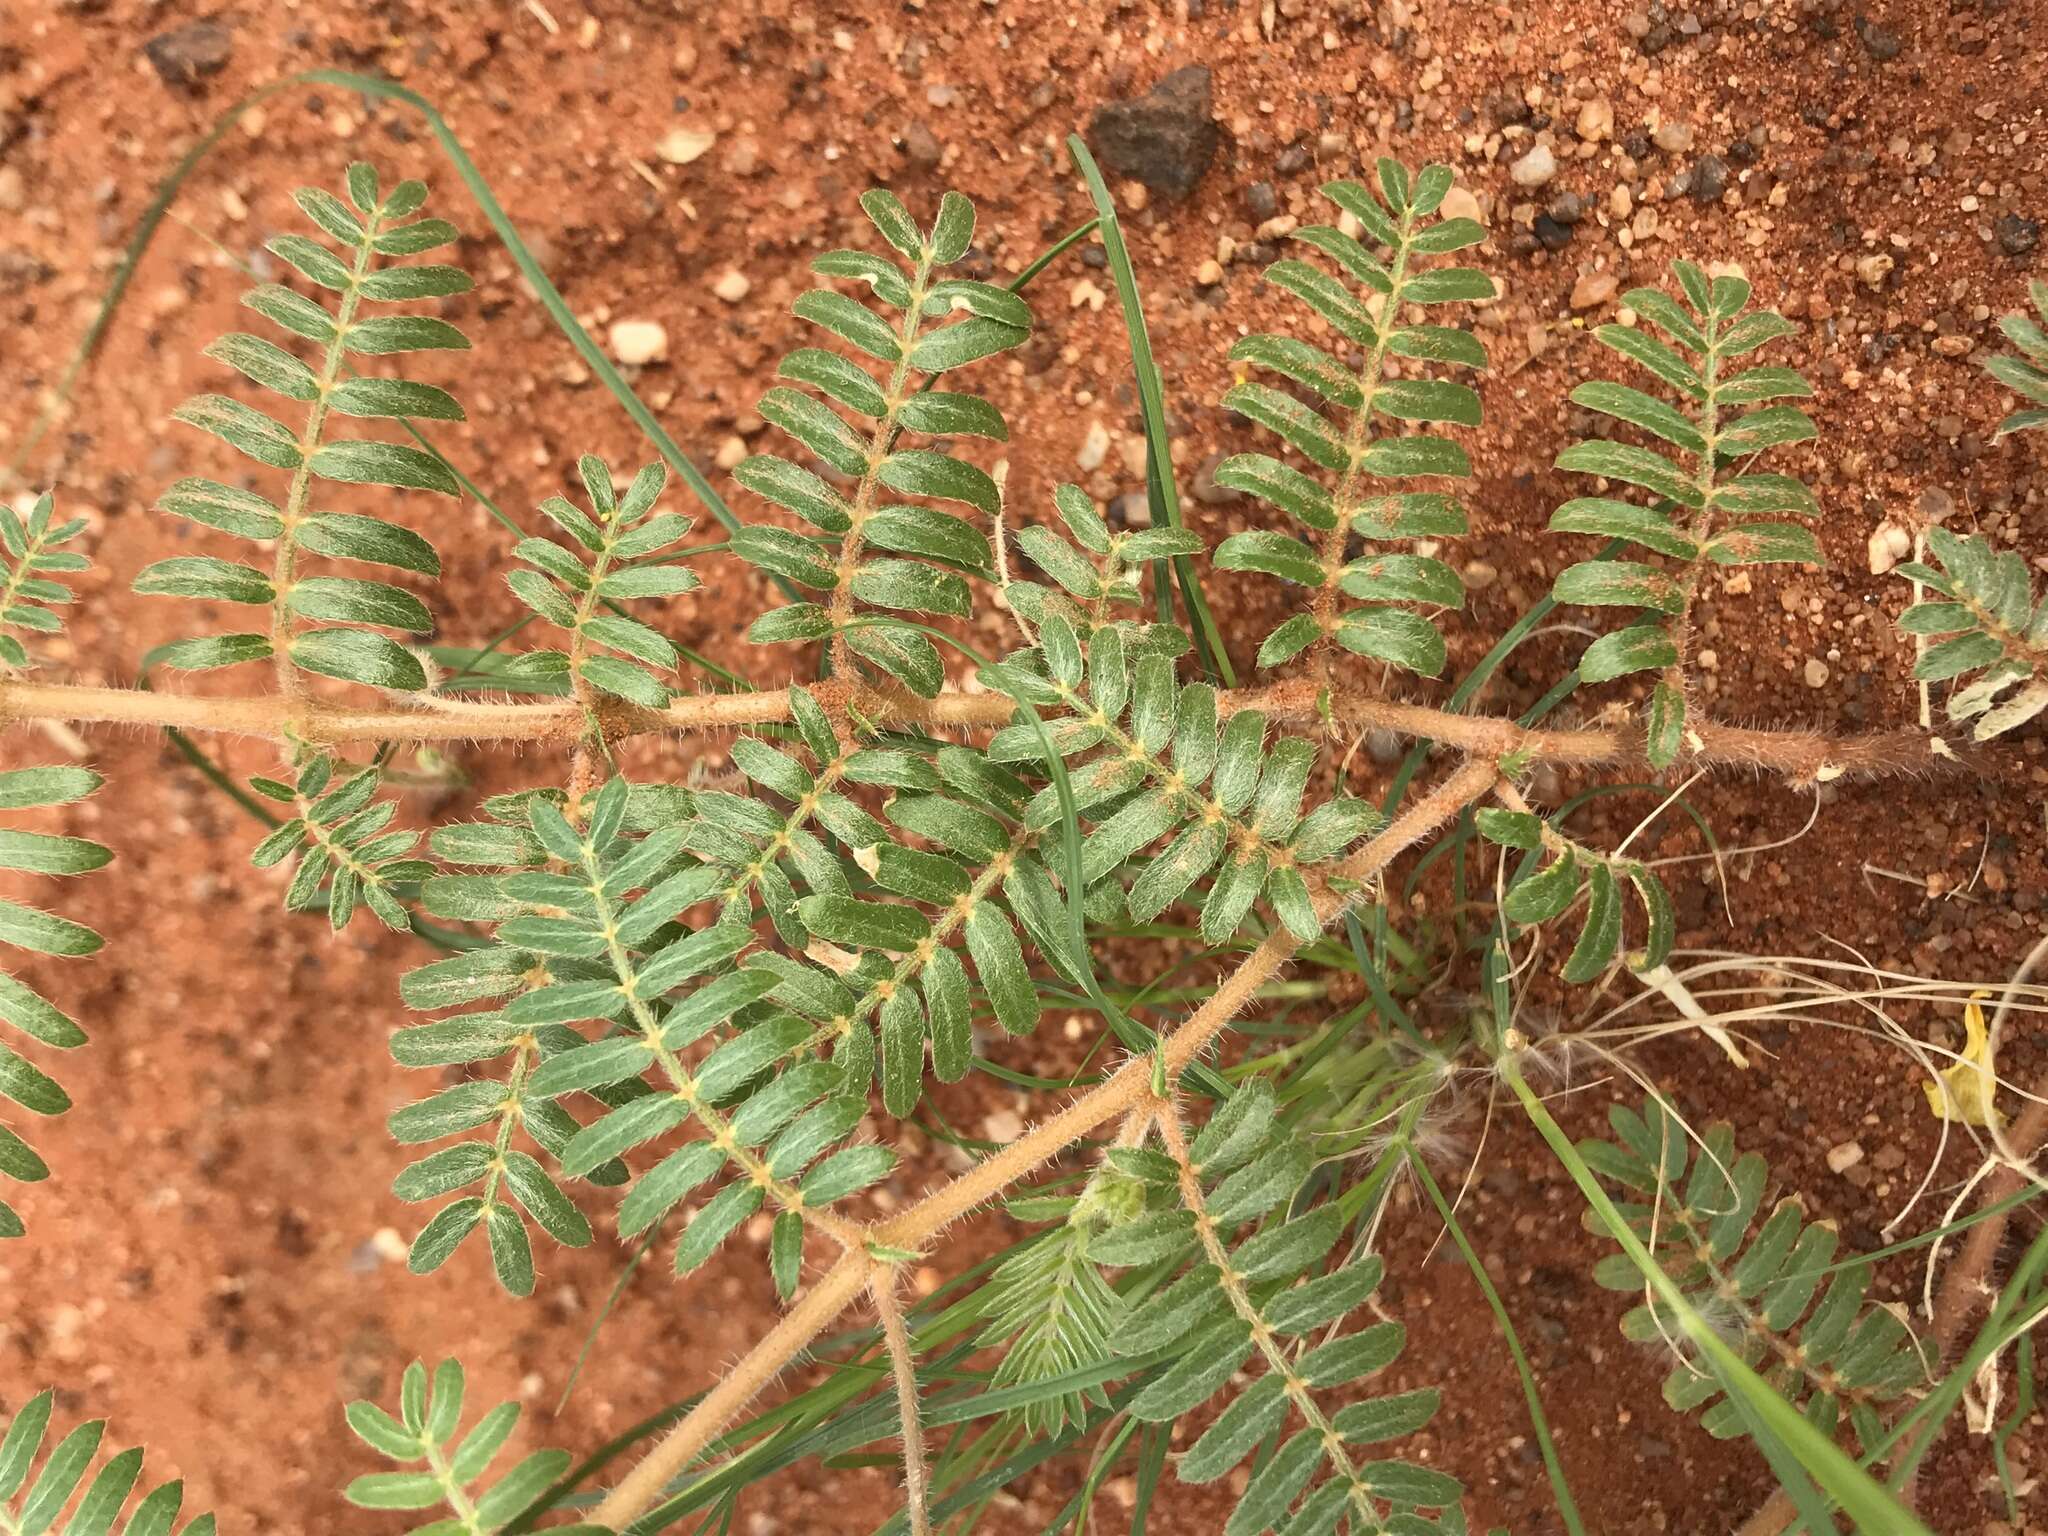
(1002, 1126)
(732, 285)
(680, 146)
(1709, 179)
(1094, 447)
(1261, 201)
(1888, 546)
(1844, 1157)
(1673, 138)
(1881, 43)
(1550, 234)
(1593, 290)
(635, 342)
(921, 146)
(1209, 273)
(1207, 491)
(1478, 576)
(1459, 203)
(1872, 270)
(1535, 168)
(1816, 672)
(1596, 120)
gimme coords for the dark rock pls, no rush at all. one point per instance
(1164, 139)
(1567, 208)
(187, 55)
(1638, 146)
(2017, 236)
(1550, 234)
(1504, 111)
(1094, 256)
(1261, 201)
(1292, 161)
(1709, 178)
(1880, 42)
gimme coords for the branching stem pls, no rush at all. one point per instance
(1803, 756)
(1129, 1088)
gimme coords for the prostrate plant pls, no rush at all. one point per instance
(702, 994)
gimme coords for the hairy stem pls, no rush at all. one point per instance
(1803, 756)
(815, 1311)
(1127, 1089)
(903, 1367)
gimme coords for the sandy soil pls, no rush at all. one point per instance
(212, 1266)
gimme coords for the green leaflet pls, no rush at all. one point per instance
(1358, 456)
(1697, 511)
(1571, 870)
(974, 320)
(32, 563)
(1287, 1274)
(38, 932)
(33, 1504)
(2025, 373)
(427, 1433)
(623, 552)
(324, 392)
(1779, 1276)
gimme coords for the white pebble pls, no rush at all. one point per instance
(732, 285)
(635, 342)
(1534, 168)
(1094, 447)
(679, 146)
(1844, 1157)
(1816, 672)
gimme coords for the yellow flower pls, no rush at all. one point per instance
(1963, 1091)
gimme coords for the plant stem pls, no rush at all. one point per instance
(814, 1312)
(1567, 1507)
(1117, 1095)
(1803, 756)
(903, 1367)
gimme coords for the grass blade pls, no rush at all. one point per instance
(1158, 447)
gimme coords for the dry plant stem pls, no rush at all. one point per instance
(1967, 1285)
(1802, 756)
(1129, 1088)
(642, 1488)
(903, 1367)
